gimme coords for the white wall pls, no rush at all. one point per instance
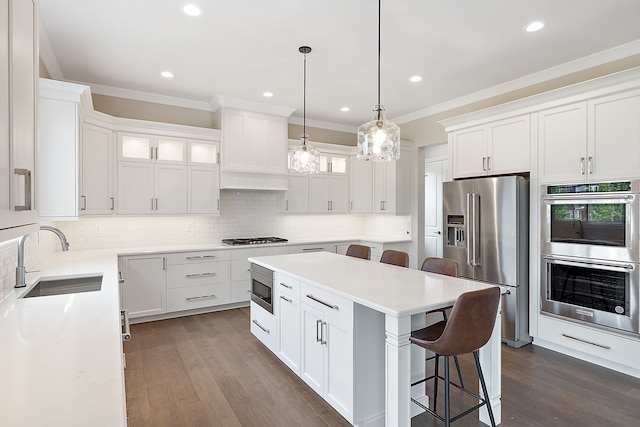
(242, 214)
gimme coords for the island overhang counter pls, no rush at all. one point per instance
(402, 296)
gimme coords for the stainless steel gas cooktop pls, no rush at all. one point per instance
(254, 241)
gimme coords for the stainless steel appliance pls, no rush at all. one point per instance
(598, 221)
(604, 293)
(487, 233)
(262, 287)
(591, 253)
(254, 241)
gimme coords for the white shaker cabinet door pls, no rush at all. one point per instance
(97, 171)
(361, 186)
(562, 136)
(289, 331)
(144, 290)
(614, 137)
(338, 194)
(170, 182)
(469, 154)
(508, 146)
(135, 188)
(313, 356)
(204, 190)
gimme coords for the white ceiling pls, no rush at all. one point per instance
(464, 50)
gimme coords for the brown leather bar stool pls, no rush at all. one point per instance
(395, 258)
(447, 267)
(468, 329)
(359, 251)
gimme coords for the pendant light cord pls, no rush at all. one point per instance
(304, 100)
(379, 20)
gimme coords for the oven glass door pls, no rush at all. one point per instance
(602, 293)
(589, 223)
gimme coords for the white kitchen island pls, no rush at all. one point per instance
(402, 296)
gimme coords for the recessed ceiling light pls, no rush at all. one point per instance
(534, 26)
(415, 79)
(344, 109)
(191, 10)
(166, 74)
(267, 94)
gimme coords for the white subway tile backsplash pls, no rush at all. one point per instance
(242, 214)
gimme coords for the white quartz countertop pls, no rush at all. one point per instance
(61, 355)
(393, 290)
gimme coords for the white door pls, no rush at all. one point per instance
(433, 176)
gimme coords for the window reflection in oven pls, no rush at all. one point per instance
(589, 223)
(593, 288)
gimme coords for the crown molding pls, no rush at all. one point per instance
(244, 104)
(581, 64)
(323, 125)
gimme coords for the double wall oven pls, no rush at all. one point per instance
(590, 253)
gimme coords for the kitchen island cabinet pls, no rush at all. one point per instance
(394, 299)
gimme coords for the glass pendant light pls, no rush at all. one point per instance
(379, 139)
(304, 158)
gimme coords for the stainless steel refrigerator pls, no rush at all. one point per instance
(487, 233)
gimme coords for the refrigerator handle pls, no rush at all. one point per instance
(476, 223)
(470, 235)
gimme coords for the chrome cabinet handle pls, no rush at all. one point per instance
(151, 153)
(582, 165)
(195, 275)
(218, 204)
(331, 306)
(286, 286)
(319, 334)
(285, 298)
(200, 257)
(83, 204)
(255, 322)
(121, 278)
(200, 297)
(590, 168)
(606, 347)
(311, 249)
(484, 163)
(488, 163)
(113, 203)
(152, 203)
(323, 328)
(126, 335)
(286, 205)
(26, 173)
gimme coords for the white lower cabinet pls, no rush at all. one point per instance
(287, 306)
(144, 284)
(197, 280)
(263, 326)
(327, 347)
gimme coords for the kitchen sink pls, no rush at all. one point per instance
(65, 285)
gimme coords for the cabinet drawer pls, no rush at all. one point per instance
(587, 340)
(241, 291)
(179, 276)
(287, 285)
(197, 297)
(240, 270)
(197, 256)
(336, 309)
(263, 326)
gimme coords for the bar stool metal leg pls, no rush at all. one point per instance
(484, 388)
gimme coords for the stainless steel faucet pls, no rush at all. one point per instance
(21, 271)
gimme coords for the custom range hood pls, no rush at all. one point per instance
(254, 144)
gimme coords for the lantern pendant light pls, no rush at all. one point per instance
(304, 158)
(379, 139)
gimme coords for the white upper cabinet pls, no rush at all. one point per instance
(203, 174)
(296, 198)
(382, 187)
(97, 171)
(329, 188)
(562, 142)
(592, 140)
(253, 150)
(151, 148)
(361, 186)
(495, 148)
(18, 127)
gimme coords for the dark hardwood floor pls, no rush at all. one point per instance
(208, 370)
